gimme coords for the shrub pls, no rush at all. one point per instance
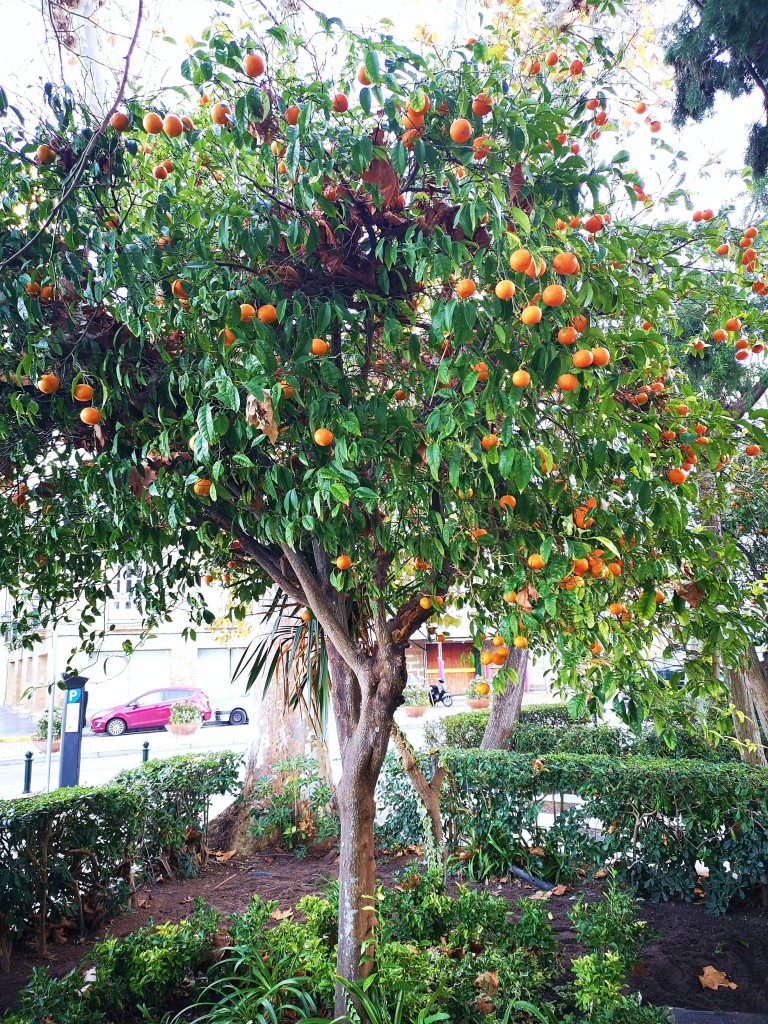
(659, 818)
(184, 711)
(295, 802)
(70, 855)
(466, 728)
(41, 729)
(399, 823)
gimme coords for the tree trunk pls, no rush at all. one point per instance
(758, 688)
(505, 710)
(744, 724)
(427, 792)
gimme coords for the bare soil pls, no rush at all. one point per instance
(736, 943)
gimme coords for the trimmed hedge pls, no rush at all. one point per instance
(651, 818)
(543, 732)
(67, 858)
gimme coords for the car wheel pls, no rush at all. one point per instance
(237, 717)
(116, 727)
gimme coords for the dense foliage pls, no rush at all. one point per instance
(293, 805)
(721, 46)
(69, 858)
(461, 956)
(659, 818)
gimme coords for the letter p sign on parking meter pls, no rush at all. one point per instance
(73, 720)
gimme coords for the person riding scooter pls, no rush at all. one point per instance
(439, 695)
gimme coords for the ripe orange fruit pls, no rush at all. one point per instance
(292, 115)
(481, 369)
(601, 117)
(343, 562)
(48, 383)
(253, 65)
(229, 337)
(507, 501)
(531, 315)
(676, 476)
(535, 269)
(340, 103)
(535, 562)
(580, 323)
(580, 566)
(566, 263)
(480, 149)
(411, 119)
(90, 415)
(600, 356)
(481, 105)
(208, 578)
(46, 293)
(323, 437)
(119, 121)
(152, 123)
(504, 289)
(567, 382)
(486, 658)
(551, 59)
(567, 335)
(202, 488)
(655, 126)
(720, 335)
(582, 359)
(483, 689)
(82, 393)
(178, 290)
(752, 449)
(465, 288)
(160, 172)
(44, 155)
(460, 130)
(750, 233)
(520, 260)
(593, 224)
(520, 642)
(278, 148)
(554, 295)
(220, 113)
(733, 324)
(409, 138)
(521, 378)
(319, 347)
(173, 127)
(188, 123)
(267, 314)
(247, 313)
(616, 609)
(576, 67)
(489, 441)
(641, 108)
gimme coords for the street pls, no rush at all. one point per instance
(104, 756)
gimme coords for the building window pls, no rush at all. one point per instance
(123, 604)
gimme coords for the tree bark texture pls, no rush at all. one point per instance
(505, 709)
(426, 791)
(758, 688)
(744, 724)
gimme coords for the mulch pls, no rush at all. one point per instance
(667, 975)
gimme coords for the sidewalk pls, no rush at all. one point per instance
(15, 727)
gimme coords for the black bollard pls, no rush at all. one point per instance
(27, 773)
(145, 752)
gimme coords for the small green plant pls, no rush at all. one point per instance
(610, 925)
(41, 730)
(416, 696)
(184, 711)
(295, 802)
(599, 980)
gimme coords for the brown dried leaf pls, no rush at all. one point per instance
(541, 895)
(258, 413)
(516, 181)
(222, 857)
(559, 890)
(281, 915)
(538, 850)
(714, 979)
(600, 873)
(690, 592)
(526, 596)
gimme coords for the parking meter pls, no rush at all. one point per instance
(72, 722)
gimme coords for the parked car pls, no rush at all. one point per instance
(229, 709)
(150, 710)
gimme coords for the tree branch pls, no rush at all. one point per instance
(316, 599)
(84, 159)
(739, 407)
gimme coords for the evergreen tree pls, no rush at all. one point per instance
(721, 46)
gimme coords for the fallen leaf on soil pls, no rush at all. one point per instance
(223, 857)
(541, 894)
(187, 899)
(488, 981)
(142, 904)
(559, 890)
(281, 915)
(714, 979)
(639, 970)
(600, 873)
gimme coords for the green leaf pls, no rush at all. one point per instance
(523, 471)
(205, 424)
(433, 459)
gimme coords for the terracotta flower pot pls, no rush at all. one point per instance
(43, 745)
(478, 702)
(415, 712)
(183, 728)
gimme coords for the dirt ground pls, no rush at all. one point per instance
(736, 943)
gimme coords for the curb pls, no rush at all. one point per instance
(16, 739)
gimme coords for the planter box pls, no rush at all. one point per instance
(43, 745)
(183, 728)
(415, 712)
(478, 702)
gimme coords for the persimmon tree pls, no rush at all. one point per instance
(375, 327)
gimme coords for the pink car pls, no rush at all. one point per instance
(150, 710)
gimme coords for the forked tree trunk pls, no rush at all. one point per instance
(747, 732)
(505, 710)
(428, 792)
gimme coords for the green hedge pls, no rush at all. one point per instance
(659, 817)
(67, 858)
(547, 729)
